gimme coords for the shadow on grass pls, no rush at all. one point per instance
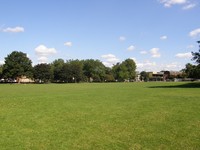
(184, 85)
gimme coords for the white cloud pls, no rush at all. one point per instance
(195, 33)
(189, 6)
(146, 65)
(14, 30)
(69, 44)
(143, 52)
(43, 52)
(131, 48)
(169, 3)
(184, 55)
(109, 60)
(153, 66)
(164, 37)
(155, 52)
(122, 38)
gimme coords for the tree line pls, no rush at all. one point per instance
(17, 65)
(193, 71)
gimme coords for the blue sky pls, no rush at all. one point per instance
(157, 34)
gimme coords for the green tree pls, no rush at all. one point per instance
(189, 70)
(192, 71)
(109, 77)
(131, 68)
(76, 68)
(17, 64)
(71, 71)
(120, 72)
(144, 76)
(42, 72)
(57, 66)
(94, 69)
(1, 71)
(196, 55)
(65, 73)
(125, 70)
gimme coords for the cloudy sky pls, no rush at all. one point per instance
(157, 34)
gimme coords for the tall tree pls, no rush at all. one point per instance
(109, 75)
(144, 76)
(57, 66)
(131, 67)
(76, 68)
(72, 71)
(1, 71)
(42, 72)
(94, 69)
(125, 70)
(196, 55)
(17, 64)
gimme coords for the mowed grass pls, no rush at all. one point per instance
(119, 116)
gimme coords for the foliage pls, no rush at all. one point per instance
(131, 67)
(89, 70)
(196, 55)
(57, 66)
(144, 76)
(17, 64)
(94, 69)
(1, 71)
(125, 70)
(76, 70)
(192, 71)
(42, 72)
(109, 75)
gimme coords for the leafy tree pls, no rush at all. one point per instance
(189, 70)
(65, 73)
(94, 69)
(76, 68)
(71, 71)
(120, 72)
(192, 71)
(109, 75)
(131, 67)
(57, 66)
(196, 55)
(125, 70)
(17, 64)
(1, 71)
(144, 76)
(42, 72)
(197, 72)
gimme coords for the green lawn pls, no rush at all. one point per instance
(119, 116)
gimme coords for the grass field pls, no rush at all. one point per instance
(119, 116)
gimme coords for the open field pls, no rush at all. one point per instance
(100, 116)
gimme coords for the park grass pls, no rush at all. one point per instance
(119, 116)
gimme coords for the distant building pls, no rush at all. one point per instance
(24, 79)
(156, 76)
